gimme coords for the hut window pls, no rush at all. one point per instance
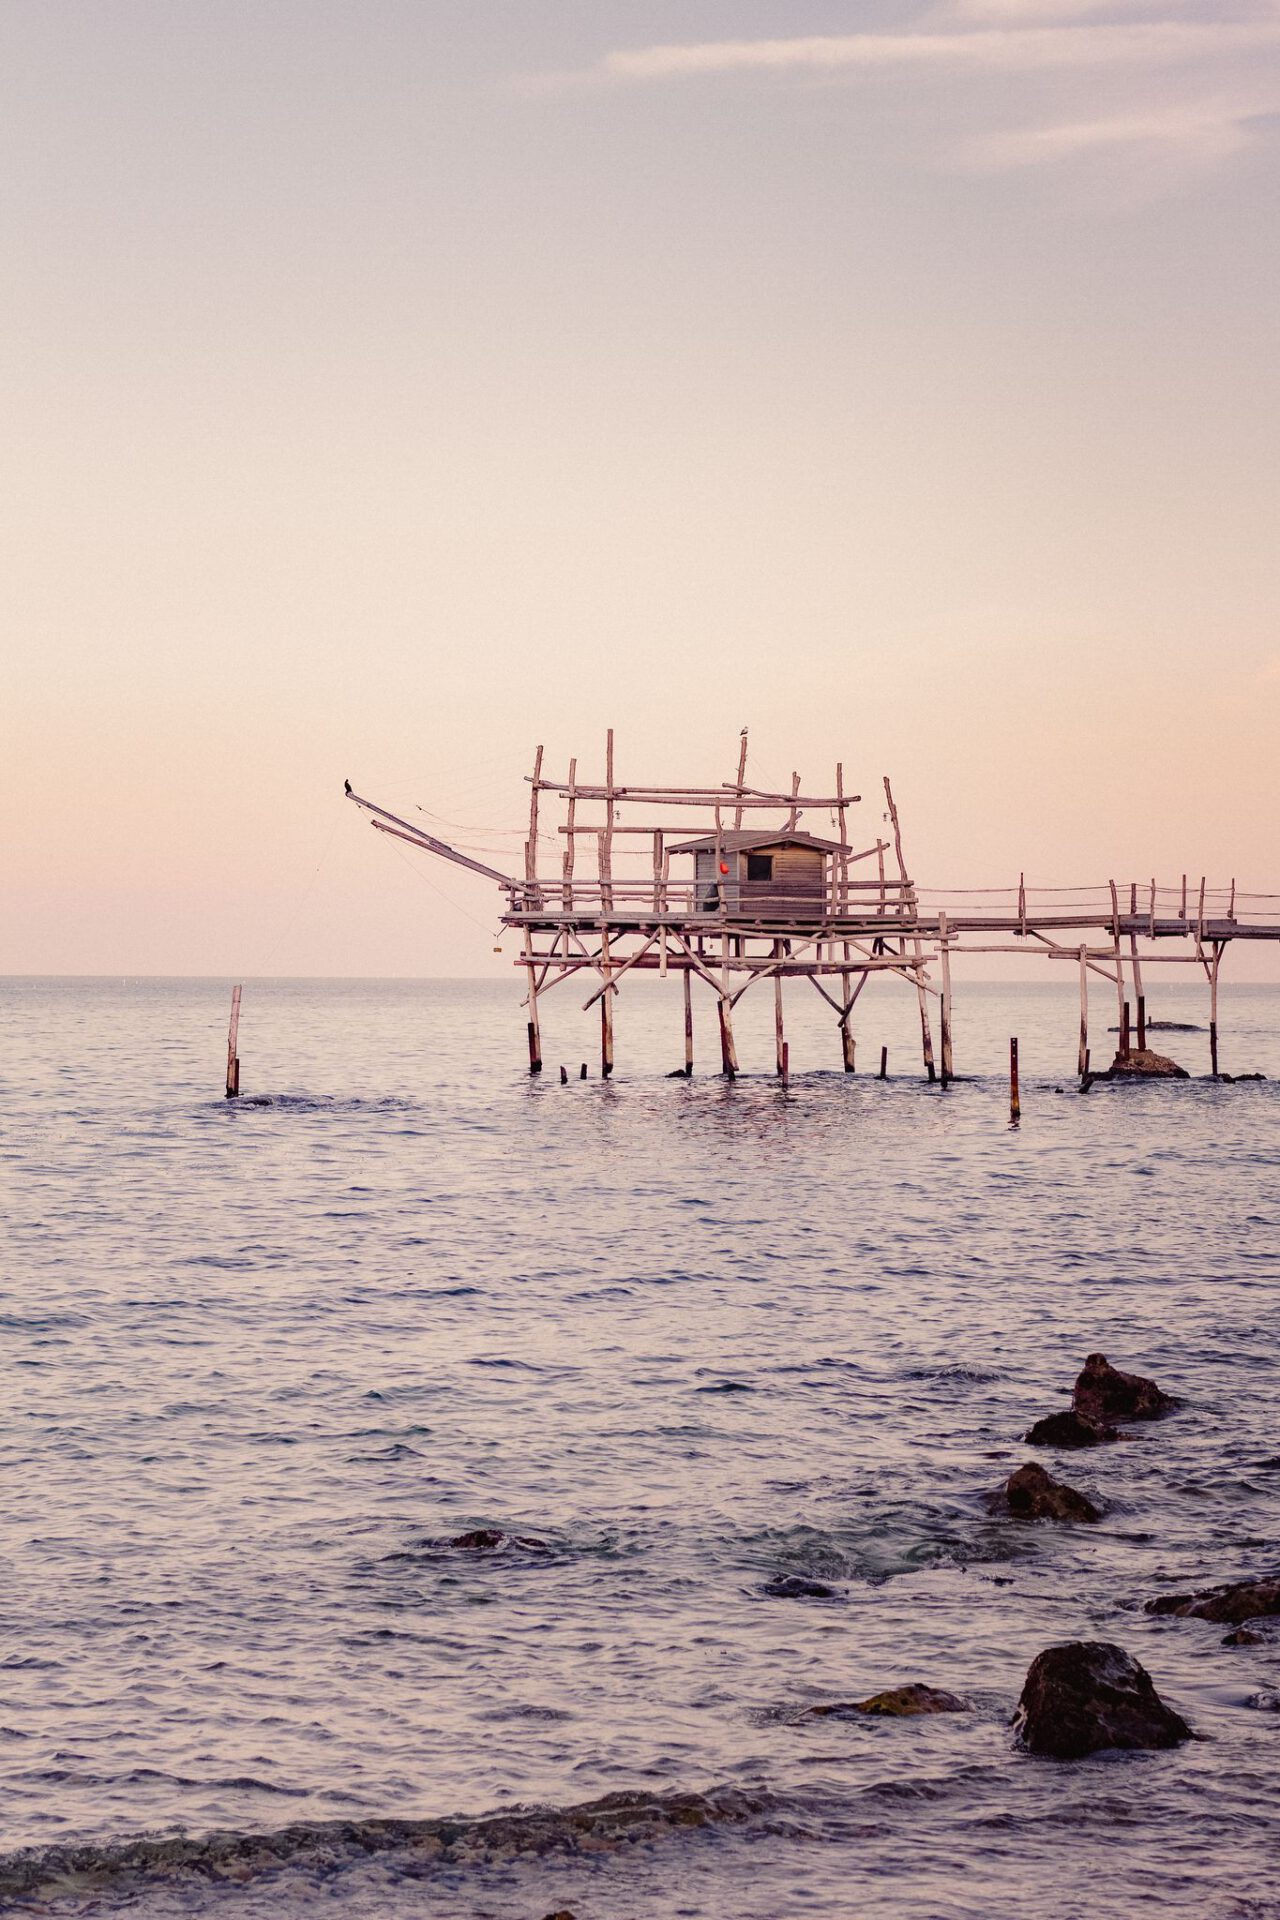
(759, 866)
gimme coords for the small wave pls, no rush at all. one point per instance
(593, 1826)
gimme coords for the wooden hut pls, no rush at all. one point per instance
(760, 876)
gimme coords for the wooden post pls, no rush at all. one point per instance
(535, 1034)
(907, 894)
(233, 1043)
(780, 1045)
(848, 1046)
(606, 1006)
(1022, 903)
(571, 838)
(582, 1071)
(786, 1064)
(1084, 1011)
(1015, 1101)
(688, 1023)
(944, 946)
(742, 774)
(1138, 994)
(1213, 1007)
(531, 844)
(1184, 899)
(794, 816)
(606, 838)
(884, 1063)
(1124, 1031)
(728, 1053)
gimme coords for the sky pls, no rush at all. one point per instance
(392, 386)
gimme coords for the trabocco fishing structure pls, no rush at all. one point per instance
(721, 885)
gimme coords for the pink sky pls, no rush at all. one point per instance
(393, 387)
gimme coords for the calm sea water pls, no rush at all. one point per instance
(262, 1361)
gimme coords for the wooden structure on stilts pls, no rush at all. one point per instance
(754, 897)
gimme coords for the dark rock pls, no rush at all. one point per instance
(1245, 1600)
(492, 1540)
(1231, 1079)
(1033, 1494)
(898, 1703)
(1103, 1393)
(1268, 1701)
(1142, 1064)
(1088, 1695)
(1263, 1632)
(561, 1913)
(797, 1586)
(1069, 1430)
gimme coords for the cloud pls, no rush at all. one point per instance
(1189, 134)
(1140, 43)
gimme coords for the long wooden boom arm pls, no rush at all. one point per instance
(405, 830)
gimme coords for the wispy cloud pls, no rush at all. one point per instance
(1134, 43)
(1181, 93)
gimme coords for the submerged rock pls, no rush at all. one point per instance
(1103, 1393)
(899, 1703)
(1087, 1695)
(797, 1586)
(1069, 1429)
(493, 1539)
(1250, 1600)
(1140, 1063)
(1263, 1631)
(1033, 1494)
(1267, 1701)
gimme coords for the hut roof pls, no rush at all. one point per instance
(736, 842)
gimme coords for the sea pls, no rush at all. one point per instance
(659, 1342)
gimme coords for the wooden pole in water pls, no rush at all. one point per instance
(780, 1045)
(786, 1064)
(884, 1063)
(233, 1042)
(1084, 1011)
(1213, 1008)
(606, 1006)
(1015, 1102)
(728, 1055)
(688, 1023)
(907, 900)
(944, 947)
(1124, 1030)
(1139, 996)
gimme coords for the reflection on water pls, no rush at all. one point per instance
(674, 1341)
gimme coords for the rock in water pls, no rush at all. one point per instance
(1087, 1695)
(796, 1586)
(1103, 1393)
(1033, 1494)
(1264, 1632)
(1069, 1430)
(1142, 1064)
(899, 1703)
(1246, 1600)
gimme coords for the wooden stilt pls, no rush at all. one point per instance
(780, 1046)
(688, 1023)
(728, 1053)
(1084, 1012)
(944, 949)
(233, 1043)
(606, 1010)
(564, 1076)
(535, 1035)
(1015, 1099)
(582, 1071)
(1213, 1007)
(1124, 1030)
(884, 1063)
(907, 897)
(1142, 1023)
(786, 1064)
(848, 1046)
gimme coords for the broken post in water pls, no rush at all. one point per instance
(730, 885)
(233, 1043)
